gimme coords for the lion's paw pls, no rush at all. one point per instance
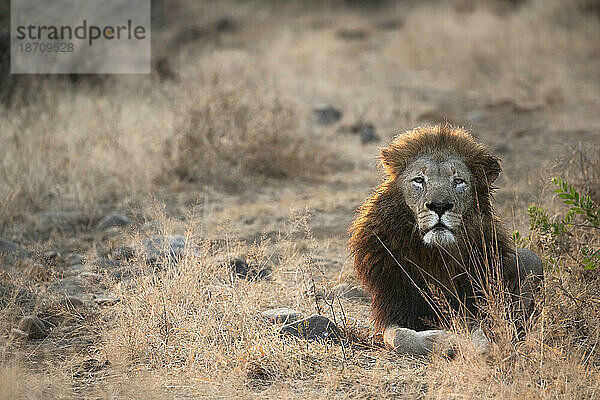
(408, 341)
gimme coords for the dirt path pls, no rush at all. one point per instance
(509, 77)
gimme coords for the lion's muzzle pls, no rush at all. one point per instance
(438, 223)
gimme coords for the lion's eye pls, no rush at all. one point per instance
(418, 180)
(458, 181)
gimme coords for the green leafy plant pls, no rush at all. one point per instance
(583, 214)
(591, 257)
(582, 205)
(519, 240)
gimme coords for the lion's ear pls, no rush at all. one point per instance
(384, 155)
(492, 168)
(386, 158)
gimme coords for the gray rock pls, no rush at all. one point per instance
(106, 300)
(326, 114)
(71, 285)
(241, 269)
(90, 276)
(124, 253)
(315, 327)
(226, 24)
(390, 24)
(8, 248)
(77, 268)
(281, 315)
(163, 248)
(107, 263)
(351, 34)
(17, 334)
(72, 302)
(365, 130)
(113, 220)
(350, 292)
(75, 258)
(34, 327)
(368, 135)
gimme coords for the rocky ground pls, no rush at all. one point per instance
(117, 243)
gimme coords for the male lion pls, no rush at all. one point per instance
(429, 232)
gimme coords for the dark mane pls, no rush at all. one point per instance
(390, 259)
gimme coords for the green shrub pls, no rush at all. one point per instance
(561, 234)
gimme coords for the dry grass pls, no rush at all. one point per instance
(196, 324)
(20, 383)
(77, 149)
(235, 130)
(82, 149)
(233, 134)
(504, 55)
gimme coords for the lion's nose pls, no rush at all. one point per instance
(439, 208)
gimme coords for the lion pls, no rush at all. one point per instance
(429, 231)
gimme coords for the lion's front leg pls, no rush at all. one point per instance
(408, 341)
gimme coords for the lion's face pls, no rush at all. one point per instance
(439, 191)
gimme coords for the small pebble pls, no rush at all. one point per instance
(326, 114)
(34, 327)
(113, 220)
(315, 327)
